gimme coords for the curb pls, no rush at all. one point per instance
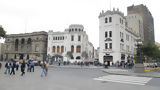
(130, 74)
(75, 67)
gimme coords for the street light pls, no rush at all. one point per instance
(139, 52)
(139, 67)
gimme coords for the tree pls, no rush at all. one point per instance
(84, 55)
(150, 50)
(2, 32)
(69, 54)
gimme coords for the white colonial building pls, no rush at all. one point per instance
(74, 39)
(117, 41)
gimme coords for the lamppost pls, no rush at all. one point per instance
(139, 67)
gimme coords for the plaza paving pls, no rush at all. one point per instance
(69, 79)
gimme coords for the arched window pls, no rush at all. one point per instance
(72, 49)
(76, 29)
(62, 49)
(29, 41)
(16, 44)
(58, 49)
(22, 41)
(54, 49)
(78, 50)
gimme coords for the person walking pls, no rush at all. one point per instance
(43, 71)
(13, 65)
(23, 68)
(28, 66)
(47, 65)
(32, 66)
(17, 65)
(7, 66)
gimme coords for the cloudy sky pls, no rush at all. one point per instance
(20, 16)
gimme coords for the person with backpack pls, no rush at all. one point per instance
(7, 66)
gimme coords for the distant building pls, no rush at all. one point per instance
(26, 46)
(2, 50)
(116, 40)
(148, 21)
(135, 23)
(74, 40)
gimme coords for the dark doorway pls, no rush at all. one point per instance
(21, 56)
(108, 59)
(27, 57)
(78, 57)
(15, 56)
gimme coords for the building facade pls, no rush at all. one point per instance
(135, 24)
(148, 21)
(116, 41)
(26, 46)
(74, 40)
(2, 50)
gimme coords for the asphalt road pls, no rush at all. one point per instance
(69, 79)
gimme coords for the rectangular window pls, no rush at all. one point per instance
(110, 45)
(110, 19)
(106, 45)
(106, 20)
(110, 33)
(106, 34)
(72, 38)
(79, 38)
(120, 20)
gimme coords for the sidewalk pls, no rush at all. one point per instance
(130, 72)
(76, 66)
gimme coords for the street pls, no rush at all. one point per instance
(74, 79)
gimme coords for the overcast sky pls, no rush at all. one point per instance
(20, 16)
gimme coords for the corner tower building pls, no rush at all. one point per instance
(116, 40)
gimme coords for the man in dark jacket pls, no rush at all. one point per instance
(13, 65)
(23, 68)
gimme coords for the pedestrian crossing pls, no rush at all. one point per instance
(125, 79)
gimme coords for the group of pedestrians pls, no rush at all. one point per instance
(10, 67)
